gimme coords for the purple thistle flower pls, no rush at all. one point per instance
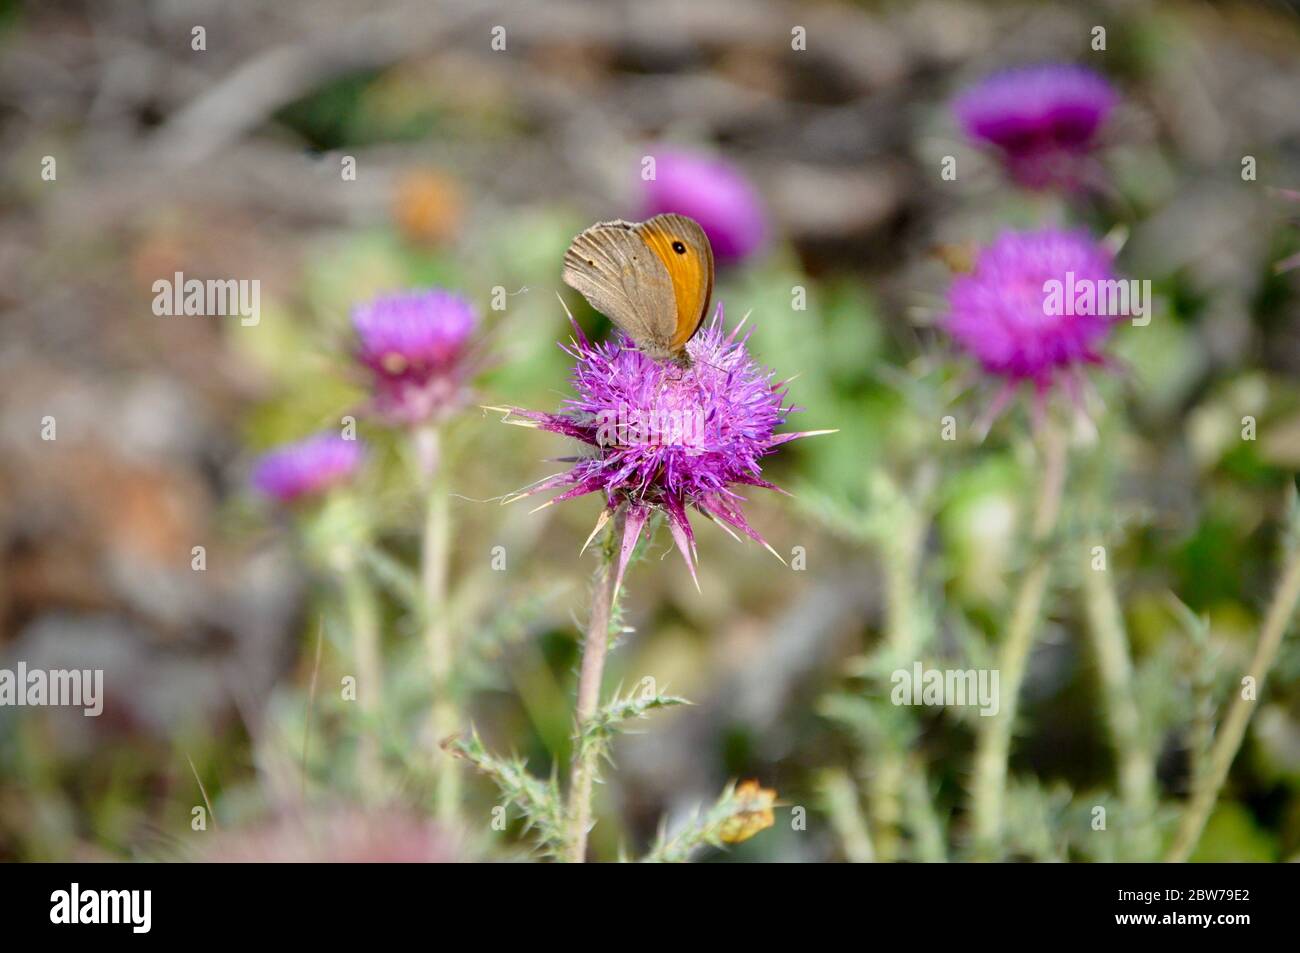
(1003, 314)
(416, 344)
(307, 467)
(668, 438)
(713, 192)
(1042, 119)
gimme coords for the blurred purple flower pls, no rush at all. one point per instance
(713, 192)
(667, 438)
(416, 344)
(1000, 312)
(307, 467)
(1043, 119)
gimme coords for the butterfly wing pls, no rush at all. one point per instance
(611, 266)
(684, 250)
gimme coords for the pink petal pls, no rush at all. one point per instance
(589, 485)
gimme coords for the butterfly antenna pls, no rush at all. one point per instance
(698, 360)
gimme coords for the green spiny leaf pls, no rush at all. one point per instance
(539, 801)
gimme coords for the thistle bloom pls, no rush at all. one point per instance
(416, 344)
(666, 438)
(1042, 119)
(1005, 312)
(714, 193)
(307, 467)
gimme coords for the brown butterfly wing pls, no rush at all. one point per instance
(683, 248)
(611, 266)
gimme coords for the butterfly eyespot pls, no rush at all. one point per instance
(591, 263)
(679, 248)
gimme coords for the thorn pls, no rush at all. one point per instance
(518, 422)
(600, 524)
(725, 528)
(563, 305)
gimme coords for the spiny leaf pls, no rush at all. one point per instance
(539, 801)
(395, 577)
(606, 722)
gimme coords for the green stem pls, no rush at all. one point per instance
(927, 832)
(901, 548)
(902, 557)
(841, 796)
(435, 560)
(1136, 766)
(1227, 739)
(363, 624)
(595, 647)
(993, 744)
(885, 798)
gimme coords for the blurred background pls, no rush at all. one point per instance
(474, 167)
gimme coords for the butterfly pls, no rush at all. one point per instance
(653, 279)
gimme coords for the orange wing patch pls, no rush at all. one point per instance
(685, 251)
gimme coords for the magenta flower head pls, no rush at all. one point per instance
(307, 468)
(665, 438)
(1037, 305)
(713, 192)
(416, 344)
(1043, 120)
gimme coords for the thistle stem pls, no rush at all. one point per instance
(1137, 779)
(363, 624)
(595, 647)
(922, 818)
(993, 745)
(901, 549)
(437, 632)
(841, 796)
(885, 797)
(1227, 739)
